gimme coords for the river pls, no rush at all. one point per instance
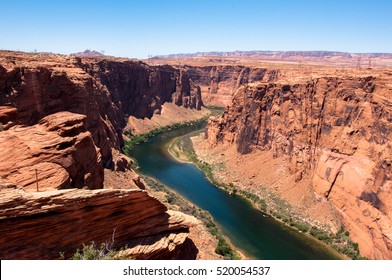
(256, 234)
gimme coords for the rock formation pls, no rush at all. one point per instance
(105, 91)
(279, 54)
(58, 148)
(41, 225)
(87, 53)
(331, 131)
(287, 57)
(62, 120)
(218, 83)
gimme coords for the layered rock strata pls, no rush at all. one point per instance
(62, 120)
(56, 153)
(218, 83)
(105, 91)
(43, 225)
(330, 131)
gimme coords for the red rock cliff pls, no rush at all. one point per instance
(333, 130)
(61, 124)
(218, 83)
(105, 91)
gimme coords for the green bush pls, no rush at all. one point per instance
(314, 231)
(94, 252)
(252, 197)
(341, 231)
(263, 205)
(171, 198)
(225, 250)
(301, 227)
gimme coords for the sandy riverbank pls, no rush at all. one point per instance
(170, 114)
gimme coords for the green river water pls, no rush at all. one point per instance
(256, 234)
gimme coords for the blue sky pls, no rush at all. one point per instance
(139, 28)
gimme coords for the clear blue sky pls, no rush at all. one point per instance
(139, 28)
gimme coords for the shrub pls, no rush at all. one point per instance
(171, 198)
(341, 230)
(225, 250)
(314, 231)
(300, 227)
(263, 205)
(93, 252)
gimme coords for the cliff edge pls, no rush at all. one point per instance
(331, 135)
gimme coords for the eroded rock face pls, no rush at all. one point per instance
(43, 225)
(62, 120)
(7, 117)
(142, 89)
(219, 83)
(59, 148)
(333, 130)
(39, 224)
(106, 91)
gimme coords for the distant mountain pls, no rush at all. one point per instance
(279, 54)
(87, 53)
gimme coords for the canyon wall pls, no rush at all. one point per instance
(218, 83)
(61, 124)
(333, 132)
(105, 91)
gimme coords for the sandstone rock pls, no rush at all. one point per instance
(62, 120)
(41, 225)
(58, 148)
(7, 116)
(333, 130)
(219, 83)
(107, 91)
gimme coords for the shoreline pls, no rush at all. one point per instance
(146, 136)
(170, 148)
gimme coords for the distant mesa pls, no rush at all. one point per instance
(279, 54)
(88, 53)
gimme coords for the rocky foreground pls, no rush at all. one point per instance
(47, 225)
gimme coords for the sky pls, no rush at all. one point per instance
(137, 29)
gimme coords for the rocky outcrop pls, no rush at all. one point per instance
(7, 117)
(43, 225)
(56, 153)
(87, 53)
(218, 83)
(141, 89)
(106, 91)
(331, 130)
